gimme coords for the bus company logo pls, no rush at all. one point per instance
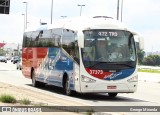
(113, 75)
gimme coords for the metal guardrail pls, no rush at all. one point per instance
(149, 67)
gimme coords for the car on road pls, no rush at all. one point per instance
(8, 58)
(3, 59)
(16, 59)
(19, 65)
(12, 59)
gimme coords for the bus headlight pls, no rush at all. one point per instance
(87, 79)
(133, 79)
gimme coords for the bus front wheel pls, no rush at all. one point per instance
(112, 94)
(67, 89)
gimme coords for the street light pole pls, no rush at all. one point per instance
(80, 8)
(118, 10)
(121, 10)
(24, 21)
(51, 10)
(26, 12)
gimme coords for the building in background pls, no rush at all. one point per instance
(11, 49)
(2, 52)
(2, 45)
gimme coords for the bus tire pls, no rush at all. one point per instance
(112, 94)
(34, 82)
(67, 89)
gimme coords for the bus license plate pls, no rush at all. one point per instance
(111, 87)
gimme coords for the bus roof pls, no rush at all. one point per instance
(84, 23)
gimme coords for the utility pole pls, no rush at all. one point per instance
(80, 8)
(26, 12)
(121, 10)
(24, 22)
(51, 10)
(118, 10)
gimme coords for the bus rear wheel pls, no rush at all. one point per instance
(36, 83)
(112, 94)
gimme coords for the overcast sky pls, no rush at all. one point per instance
(142, 16)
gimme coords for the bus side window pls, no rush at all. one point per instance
(69, 44)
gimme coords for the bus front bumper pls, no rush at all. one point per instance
(109, 87)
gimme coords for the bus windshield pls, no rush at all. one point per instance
(110, 46)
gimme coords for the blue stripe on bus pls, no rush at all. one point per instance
(120, 75)
(56, 61)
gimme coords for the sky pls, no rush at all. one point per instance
(142, 16)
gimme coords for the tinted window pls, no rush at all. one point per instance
(27, 39)
(69, 43)
(42, 38)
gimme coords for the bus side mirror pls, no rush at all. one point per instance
(138, 38)
(81, 40)
(141, 43)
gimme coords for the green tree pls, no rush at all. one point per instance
(50, 43)
(2, 52)
(153, 60)
(140, 54)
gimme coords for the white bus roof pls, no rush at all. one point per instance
(84, 23)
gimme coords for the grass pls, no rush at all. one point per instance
(89, 112)
(6, 98)
(148, 70)
(41, 104)
(25, 101)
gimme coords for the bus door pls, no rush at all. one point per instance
(54, 73)
(77, 77)
(42, 71)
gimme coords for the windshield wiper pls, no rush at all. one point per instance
(128, 65)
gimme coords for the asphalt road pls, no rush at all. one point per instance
(148, 93)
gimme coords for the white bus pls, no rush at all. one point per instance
(86, 55)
